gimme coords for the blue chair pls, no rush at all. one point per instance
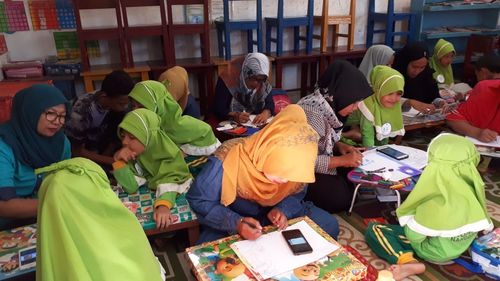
(389, 18)
(226, 25)
(280, 23)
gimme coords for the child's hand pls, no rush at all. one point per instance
(124, 154)
(162, 217)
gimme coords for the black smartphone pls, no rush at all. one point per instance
(391, 152)
(297, 242)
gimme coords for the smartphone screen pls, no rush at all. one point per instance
(391, 152)
(297, 242)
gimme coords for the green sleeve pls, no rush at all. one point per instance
(382, 142)
(367, 132)
(126, 178)
(353, 118)
(169, 196)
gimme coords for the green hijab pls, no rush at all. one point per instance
(388, 122)
(193, 136)
(448, 199)
(85, 232)
(162, 161)
(441, 49)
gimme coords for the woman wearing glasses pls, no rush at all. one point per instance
(243, 91)
(31, 139)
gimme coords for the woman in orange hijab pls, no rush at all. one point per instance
(260, 180)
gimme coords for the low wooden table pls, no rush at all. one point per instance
(207, 260)
(97, 73)
(420, 122)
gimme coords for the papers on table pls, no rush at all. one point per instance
(460, 88)
(270, 255)
(250, 123)
(495, 143)
(411, 113)
(392, 169)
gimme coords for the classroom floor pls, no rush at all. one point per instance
(352, 229)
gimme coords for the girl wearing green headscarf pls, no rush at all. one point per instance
(193, 136)
(84, 231)
(441, 60)
(148, 153)
(441, 216)
(379, 116)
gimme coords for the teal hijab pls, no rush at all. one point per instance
(449, 198)
(85, 232)
(20, 132)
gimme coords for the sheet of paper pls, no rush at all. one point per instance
(411, 113)
(249, 123)
(460, 88)
(395, 170)
(495, 143)
(270, 255)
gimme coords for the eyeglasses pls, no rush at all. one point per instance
(259, 80)
(52, 116)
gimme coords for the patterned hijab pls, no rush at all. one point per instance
(162, 160)
(449, 198)
(388, 122)
(20, 132)
(83, 224)
(176, 81)
(375, 55)
(441, 49)
(343, 84)
(252, 101)
(286, 148)
(192, 135)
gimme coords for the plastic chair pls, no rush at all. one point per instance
(226, 25)
(478, 45)
(280, 23)
(104, 33)
(203, 29)
(325, 21)
(389, 18)
(131, 32)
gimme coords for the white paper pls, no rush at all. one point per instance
(250, 123)
(394, 170)
(460, 88)
(411, 113)
(495, 143)
(270, 255)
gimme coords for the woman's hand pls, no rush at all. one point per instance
(278, 218)
(344, 148)
(261, 119)
(249, 228)
(487, 135)
(351, 160)
(124, 154)
(425, 108)
(162, 217)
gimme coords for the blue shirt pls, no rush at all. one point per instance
(14, 174)
(204, 198)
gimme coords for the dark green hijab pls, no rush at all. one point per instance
(20, 132)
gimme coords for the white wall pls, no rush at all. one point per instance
(27, 45)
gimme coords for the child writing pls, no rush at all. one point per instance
(379, 116)
(441, 216)
(149, 153)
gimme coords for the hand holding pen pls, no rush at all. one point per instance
(249, 228)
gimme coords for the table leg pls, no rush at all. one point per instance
(399, 197)
(354, 198)
(89, 84)
(193, 234)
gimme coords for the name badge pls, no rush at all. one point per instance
(386, 129)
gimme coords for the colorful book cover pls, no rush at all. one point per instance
(43, 14)
(16, 16)
(216, 261)
(4, 26)
(66, 45)
(65, 14)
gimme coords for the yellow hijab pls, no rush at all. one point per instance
(176, 81)
(286, 148)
